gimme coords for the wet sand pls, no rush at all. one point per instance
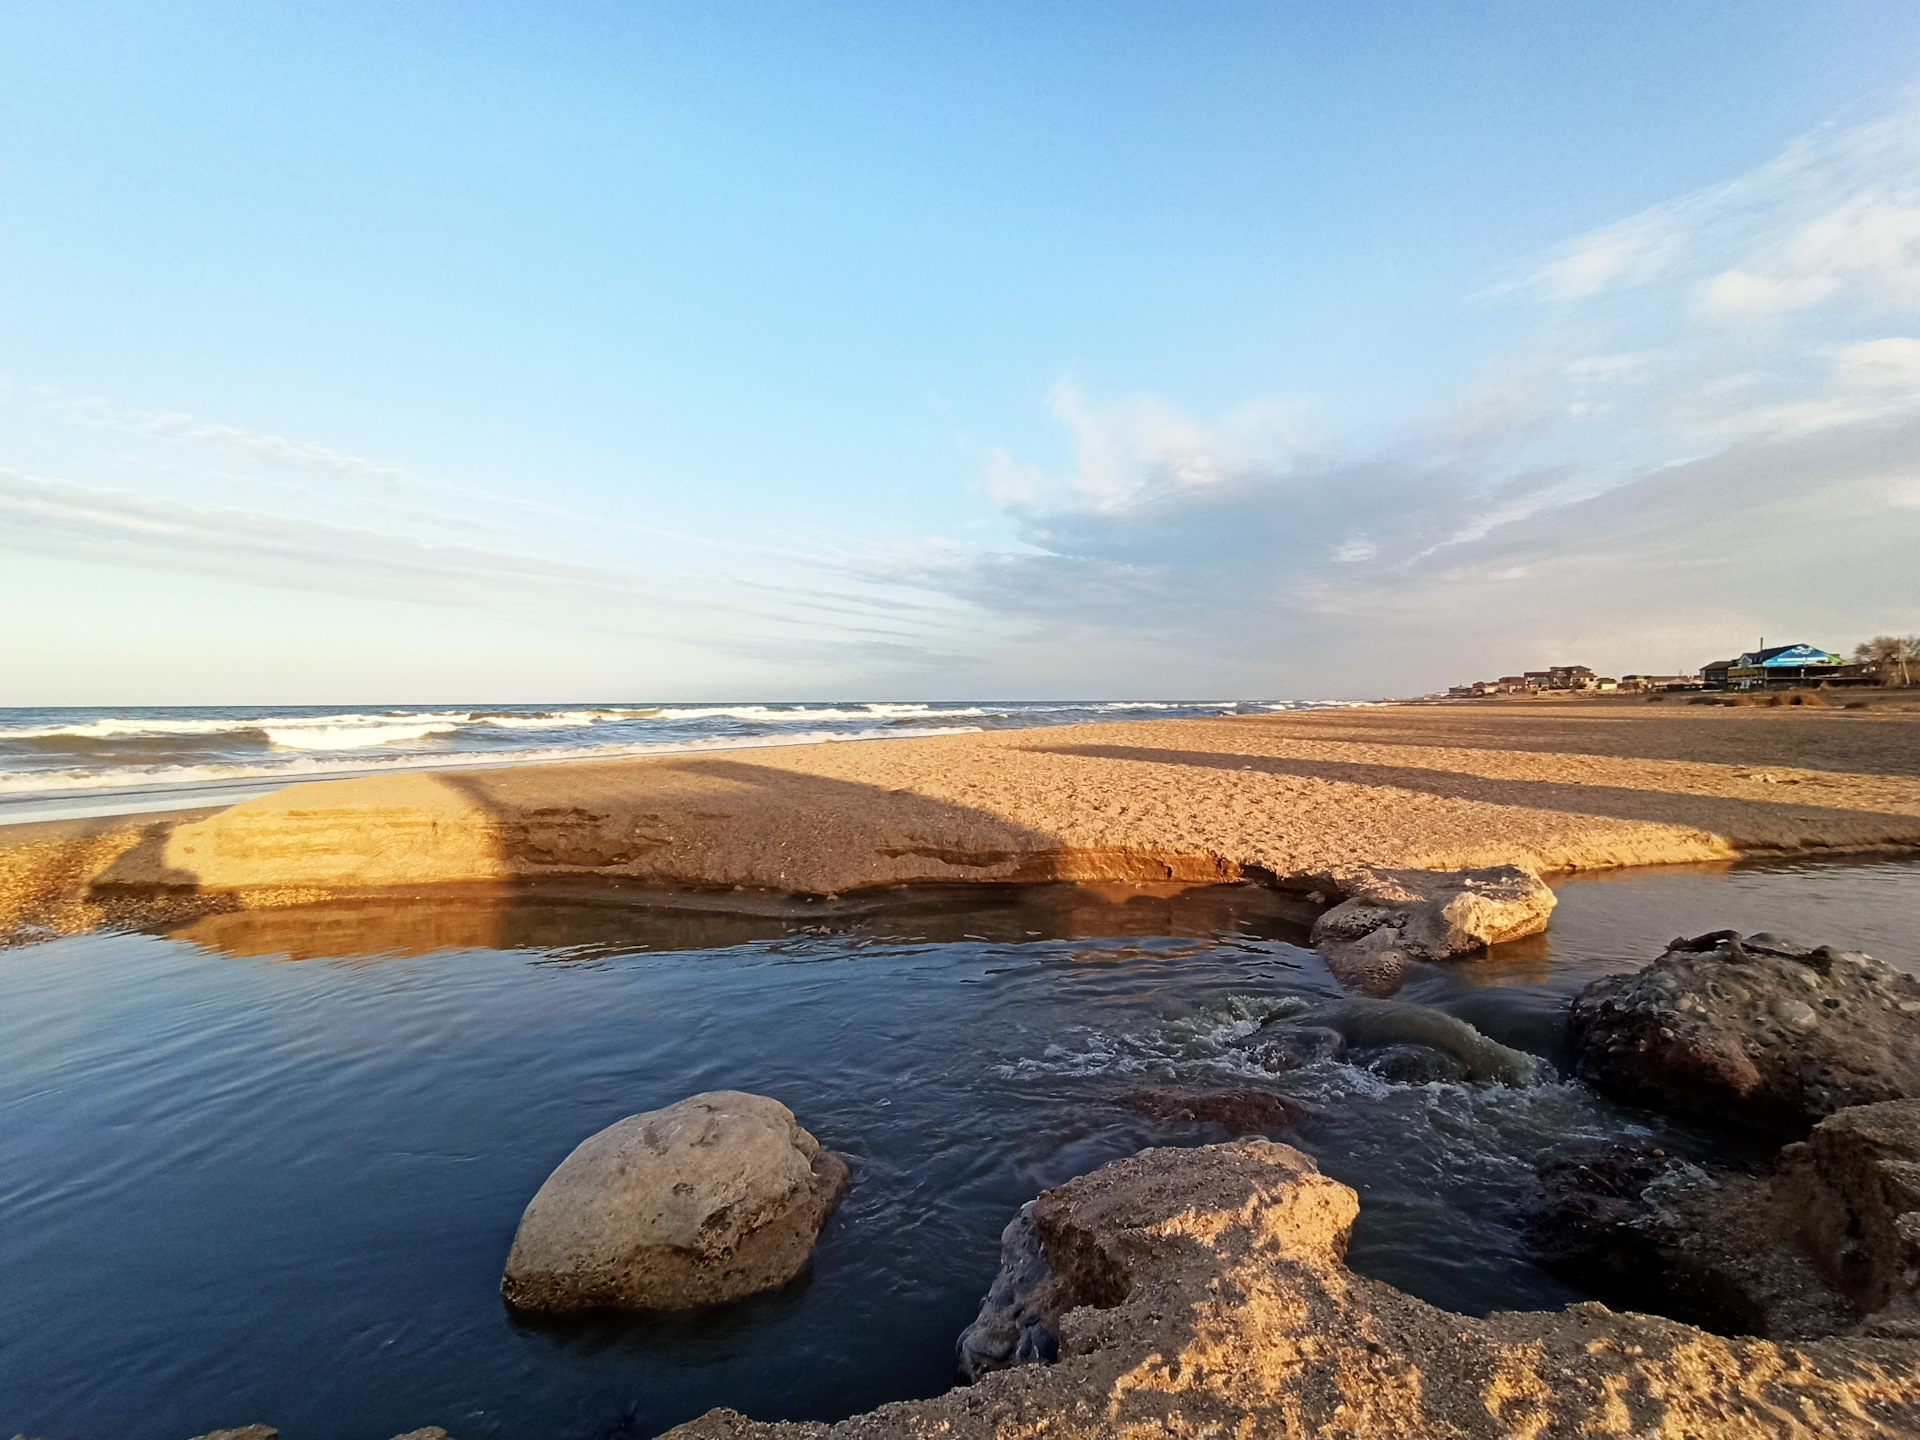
(1304, 799)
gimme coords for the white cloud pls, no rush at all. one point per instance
(1715, 431)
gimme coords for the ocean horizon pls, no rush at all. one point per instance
(79, 762)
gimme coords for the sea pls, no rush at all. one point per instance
(75, 763)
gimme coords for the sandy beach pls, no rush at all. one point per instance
(1301, 800)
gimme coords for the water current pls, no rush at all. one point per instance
(266, 1166)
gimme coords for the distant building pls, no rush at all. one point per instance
(1782, 665)
(1661, 682)
(1560, 677)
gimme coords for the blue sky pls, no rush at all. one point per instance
(460, 352)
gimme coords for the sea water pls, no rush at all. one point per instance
(63, 763)
(266, 1166)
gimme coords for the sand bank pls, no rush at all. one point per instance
(1304, 799)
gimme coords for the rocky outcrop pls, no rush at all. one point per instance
(714, 1198)
(1752, 1030)
(1204, 1292)
(1826, 1242)
(1399, 1041)
(1391, 918)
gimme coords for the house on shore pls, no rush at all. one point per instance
(1782, 666)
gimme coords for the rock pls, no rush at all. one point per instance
(1410, 1064)
(1369, 1029)
(1204, 1291)
(1016, 1320)
(1852, 1191)
(1827, 1242)
(1757, 1031)
(245, 1432)
(1245, 1112)
(1438, 914)
(1283, 1045)
(708, 1200)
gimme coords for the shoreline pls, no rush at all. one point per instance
(1302, 801)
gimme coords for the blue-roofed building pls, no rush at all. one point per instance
(1782, 665)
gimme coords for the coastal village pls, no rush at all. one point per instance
(1881, 662)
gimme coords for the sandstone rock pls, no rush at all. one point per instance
(708, 1200)
(1756, 1031)
(1401, 1041)
(1204, 1292)
(1245, 1112)
(1438, 914)
(244, 1432)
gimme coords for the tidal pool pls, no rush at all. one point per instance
(267, 1167)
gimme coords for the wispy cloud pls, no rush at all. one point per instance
(1714, 430)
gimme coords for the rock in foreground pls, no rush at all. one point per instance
(1752, 1030)
(714, 1198)
(1205, 1292)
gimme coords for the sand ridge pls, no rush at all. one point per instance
(1303, 798)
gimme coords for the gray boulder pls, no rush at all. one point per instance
(717, 1197)
(1753, 1030)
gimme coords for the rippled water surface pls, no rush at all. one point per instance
(266, 1168)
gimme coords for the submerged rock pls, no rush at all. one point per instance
(1395, 1038)
(1754, 1030)
(1392, 917)
(1204, 1291)
(714, 1198)
(1246, 1112)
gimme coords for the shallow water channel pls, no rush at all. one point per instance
(267, 1167)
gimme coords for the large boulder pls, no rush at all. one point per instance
(1391, 918)
(1204, 1292)
(1752, 1030)
(717, 1197)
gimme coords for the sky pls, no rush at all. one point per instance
(475, 352)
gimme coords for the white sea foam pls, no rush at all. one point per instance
(310, 767)
(813, 714)
(352, 737)
(120, 728)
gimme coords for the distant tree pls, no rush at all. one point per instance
(1892, 657)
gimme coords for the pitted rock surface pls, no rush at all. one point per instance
(1752, 1030)
(714, 1198)
(1204, 1292)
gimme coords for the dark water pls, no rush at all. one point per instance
(267, 1168)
